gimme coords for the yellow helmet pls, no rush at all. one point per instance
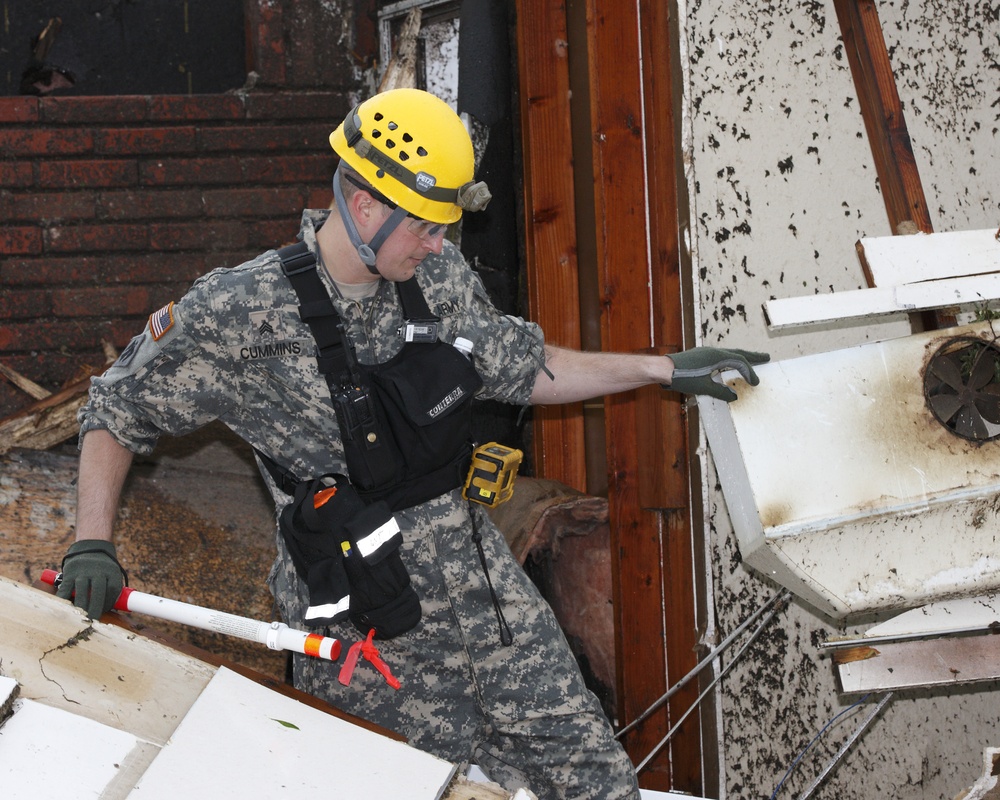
(411, 147)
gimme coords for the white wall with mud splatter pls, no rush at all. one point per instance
(782, 185)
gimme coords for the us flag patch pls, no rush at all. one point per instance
(161, 321)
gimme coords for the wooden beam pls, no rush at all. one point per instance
(664, 479)
(24, 384)
(549, 222)
(882, 111)
(622, 259)
(639, 297)
(888, 137)
(48, 422)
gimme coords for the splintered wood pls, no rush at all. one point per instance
(51, 420)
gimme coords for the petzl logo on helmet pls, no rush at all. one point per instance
(425, 182)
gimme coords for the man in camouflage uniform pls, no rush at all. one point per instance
(234, 348)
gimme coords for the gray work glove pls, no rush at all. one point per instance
(92, 576)
(694, 370)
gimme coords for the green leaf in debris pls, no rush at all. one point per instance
(286, 724)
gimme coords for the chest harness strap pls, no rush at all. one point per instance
(334, 359)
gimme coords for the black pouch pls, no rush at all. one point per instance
(381, 595)
(426, 393)
(347, 552)
(425, 396)
(314, 543)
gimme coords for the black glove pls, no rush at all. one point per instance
(92, 576)
(693, 370)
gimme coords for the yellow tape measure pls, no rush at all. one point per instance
(491, 475)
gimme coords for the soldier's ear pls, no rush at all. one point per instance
(364, 206)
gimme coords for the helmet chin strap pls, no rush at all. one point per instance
(366, 252)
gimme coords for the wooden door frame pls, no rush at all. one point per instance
(633, 162)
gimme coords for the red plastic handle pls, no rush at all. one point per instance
(51, 577)
(54, 578)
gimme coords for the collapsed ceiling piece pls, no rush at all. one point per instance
(845, 486)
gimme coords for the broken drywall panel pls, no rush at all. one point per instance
(273, 746)
(896, 260)
(861, 304)
(945, 57)
(784, 180)
(46, 747)
(100, 671)
(985, 788)
(945, 661)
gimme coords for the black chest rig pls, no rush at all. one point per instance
(405, 424)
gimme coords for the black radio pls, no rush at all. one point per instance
(356, 414)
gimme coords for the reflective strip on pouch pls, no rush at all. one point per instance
(378, 537)
(328, 609)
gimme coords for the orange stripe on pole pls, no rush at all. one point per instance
(312, 644)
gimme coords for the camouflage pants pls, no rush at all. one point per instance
(521, 712)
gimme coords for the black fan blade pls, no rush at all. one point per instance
(984, 369)
(945, 405)
(988, 403)
(948, 371)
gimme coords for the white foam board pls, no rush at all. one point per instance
(242, 740)
(42, 747)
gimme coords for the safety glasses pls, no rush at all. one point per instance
(424, 229)
(421, 228)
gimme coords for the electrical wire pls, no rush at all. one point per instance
(780, 596)
(885, 699)
(846, 745)
(677, 725)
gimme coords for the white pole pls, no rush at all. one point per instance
(276, 635)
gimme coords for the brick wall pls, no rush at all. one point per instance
(111, 206)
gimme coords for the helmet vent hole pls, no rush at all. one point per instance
(376, 134)
(390, 143)
(380, 173)
(403, 155)
(379, 116)
(407, 138)
(421, 151)
(392, 126)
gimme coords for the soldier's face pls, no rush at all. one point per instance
(405, 249)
